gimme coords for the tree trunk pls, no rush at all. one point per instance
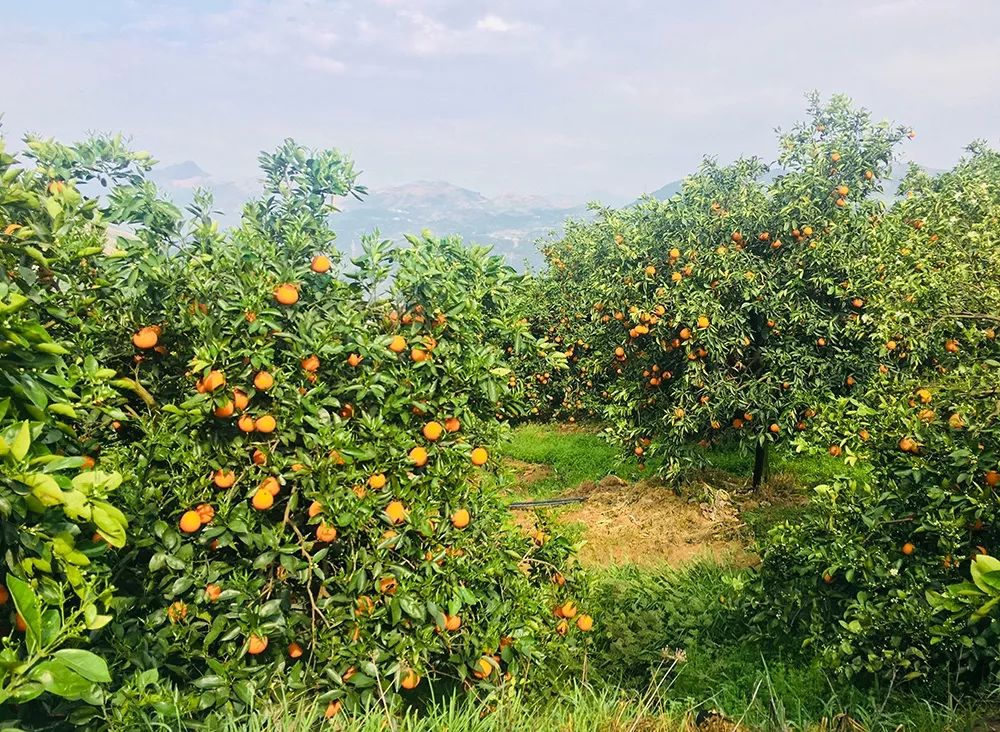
(760, 464)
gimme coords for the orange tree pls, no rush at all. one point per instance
(737, 307)
(58, 518)
(854, 579)
(307, 446)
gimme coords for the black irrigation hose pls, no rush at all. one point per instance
(545, 503)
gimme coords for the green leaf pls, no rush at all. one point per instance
(110, 522)
(26, 604)
(61, 680)
(52, 348)
(92, 480)
(88, 665)
(43, 487)
(982, 564)
(22, 441)
(211, 681)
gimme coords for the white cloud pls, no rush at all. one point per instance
(494, 24)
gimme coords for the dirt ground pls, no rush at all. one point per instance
(647, 523)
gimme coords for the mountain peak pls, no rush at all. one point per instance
(179, 171)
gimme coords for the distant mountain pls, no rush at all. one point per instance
(180, 182)
(511, 223)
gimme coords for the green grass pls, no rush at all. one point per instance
(583, 708)
(803, 469)
(574, 457)
(582, 454)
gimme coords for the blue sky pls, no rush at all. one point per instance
(526, 96)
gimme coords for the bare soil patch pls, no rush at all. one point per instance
(525, 474)
(647, 523)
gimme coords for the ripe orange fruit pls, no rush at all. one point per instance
(259, 458)
(418, 355)
(223, 478)
(145, 338)
(568, 609)
(479, 456)
(835, 157)
(908, 548)
(388, 585)
(397, 344)
(354, 359)
(562, 627)
(924, 395)
(585, 623)
(418, 456)
(843, 191)
(483, 668)
(869, 175)
(320, 264)
(205, 512)
(908, 444)
(226, 410)
(460, 519)
(256, 644)
(286, 294)
(452, 622)
(266, 424)
(246, 423)
(19, 623)
(271, 485)
(315, 509)
(703, 322)
(409, 680)
(294, 650)
(951, 346)
(190, 522)
(310, 363)
(774, 428)
(88, 463)
(4, 595)
(835, 450)
(650, 271)
(263, 381)
(452, 424)
(992, 479)
(684, 334)
(395, 512)
(262, 499)
(433, 431)
(214, 380)
(332, 709)
(212, 592)
(240, 399)
(326, 533)
(376, 481)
